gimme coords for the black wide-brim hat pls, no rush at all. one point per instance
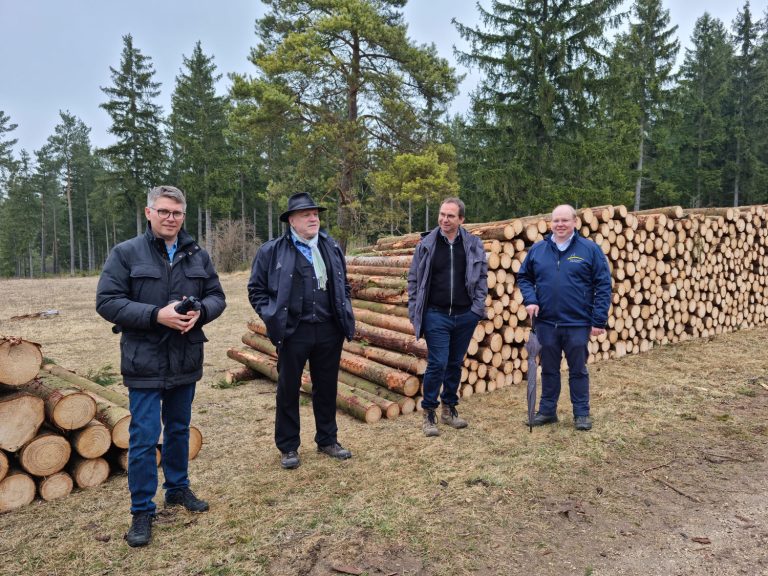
(300, 201)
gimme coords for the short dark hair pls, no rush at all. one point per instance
(458, 202)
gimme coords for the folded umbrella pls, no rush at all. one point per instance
(533, 347)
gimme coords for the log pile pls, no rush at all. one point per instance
(677, 274)
(58, 430)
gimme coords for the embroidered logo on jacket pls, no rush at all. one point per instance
(574, 258)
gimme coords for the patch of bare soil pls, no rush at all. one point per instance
(670, 481)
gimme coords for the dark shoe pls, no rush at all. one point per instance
(429, 426)
(543, 419)
(335, 451)
(140, 532)
(185, 497)
(582, 423)
(290, 460)
(450, 416)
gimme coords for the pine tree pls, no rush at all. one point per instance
(136, 161)
(354, 80)
(705, 86)
(18, 226)
(647, 53)
(197, 125)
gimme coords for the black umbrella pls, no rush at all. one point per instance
(533, 347)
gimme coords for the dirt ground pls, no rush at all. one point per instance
(671, 481)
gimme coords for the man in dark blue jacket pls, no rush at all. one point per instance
(161, 350)
(566, 287)
(447, 286)
(299, 288)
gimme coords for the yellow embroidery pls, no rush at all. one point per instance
(574, 258)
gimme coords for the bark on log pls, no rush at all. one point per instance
(91, 441)
(347, 402)
(114, 417)
(66, 406)
(389, 409)
(88, 473)
(56, 486)
(241, 374)
(84, 384)
(381, 308)
(21, 416)
(19, 361)
(403, 262)
(385, 295)
(45, 454)
(389, 272)
(394, 379)
(405, 362)
(390, 339)
(363, 281)
(406, 403)
(384, 321)
(17, 489)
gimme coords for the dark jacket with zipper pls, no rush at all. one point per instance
(138, 280)
(419, 275)
(276, 290)
(572, 287)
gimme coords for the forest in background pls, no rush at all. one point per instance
(578, 102)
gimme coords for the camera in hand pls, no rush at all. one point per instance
(191, 303)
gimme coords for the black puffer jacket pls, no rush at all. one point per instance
(136, 282)
(274, 295)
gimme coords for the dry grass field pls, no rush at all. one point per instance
(671, 481)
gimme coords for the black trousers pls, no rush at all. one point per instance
(320, 344)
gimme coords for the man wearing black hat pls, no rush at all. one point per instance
(299, 288)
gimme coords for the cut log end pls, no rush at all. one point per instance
(56, 486)
(73, 411)
(90, 472)
(45, 454)
(20, 361)
(17, 489)
(92, 441)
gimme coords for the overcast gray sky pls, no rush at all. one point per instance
(55, 54)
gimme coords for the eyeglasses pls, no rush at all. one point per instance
(163, 213)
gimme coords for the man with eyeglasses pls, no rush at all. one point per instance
(142, 282)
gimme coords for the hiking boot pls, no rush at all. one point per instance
(335, 451)
(290, 460)
(429, 425)
(450, 416)
(185, 497)
(140, 532)
(543, 419)
(583, 423)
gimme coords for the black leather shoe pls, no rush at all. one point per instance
(583, 423)
(335, 451)
(140, 532)
(290, 460)
(185, 497)
(543, 419)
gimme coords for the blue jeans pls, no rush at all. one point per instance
(150, 406)
(447, 341)
(571, 340)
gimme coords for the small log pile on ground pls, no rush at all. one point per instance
(677, 274)
(58, 430)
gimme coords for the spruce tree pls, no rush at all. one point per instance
(6, 149)
(136, 160)
(647, 53)
(197, 126)
(705, 86)
(542, 64)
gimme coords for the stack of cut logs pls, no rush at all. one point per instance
(58, 430)
(677, 274)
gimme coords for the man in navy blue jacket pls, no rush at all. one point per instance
(566, 286)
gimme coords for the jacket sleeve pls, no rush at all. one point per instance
(413, 288)
(526, 279)
(258, 294)
(113, 301)
(213, 299)
(481, 288)
(601, 278)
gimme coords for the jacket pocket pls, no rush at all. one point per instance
(142, 355)
(143, 278)
(187, 352)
